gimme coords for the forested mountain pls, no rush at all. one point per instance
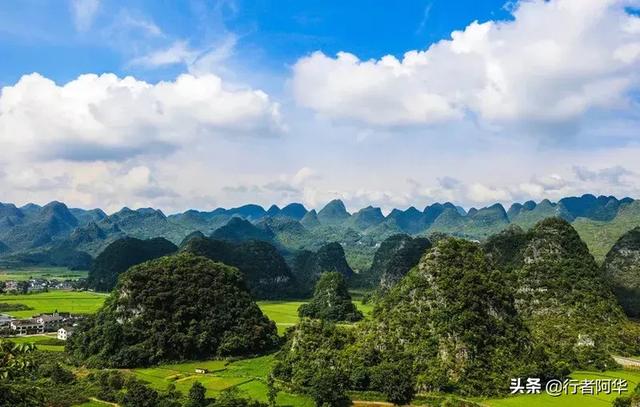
(122, 254)
(622, 268)
(396, 256)
(471, 316)
(181, 307)
(450, 324)
(559, 284)
(35, 233)
(331, 300)
(266, 273)
(308, 265)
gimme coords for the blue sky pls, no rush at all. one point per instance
(180, 104)
(41, 36)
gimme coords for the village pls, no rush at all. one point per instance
(62, 323)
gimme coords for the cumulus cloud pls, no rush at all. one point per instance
(555, 62)
(110, 118)
(84, 12)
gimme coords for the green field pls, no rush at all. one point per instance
(76, 302)
(248, 375)
(37, 340)
(48, 273)
(285, 313)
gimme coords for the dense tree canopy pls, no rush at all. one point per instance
(622, 269)
(122, 254)
(395, 257)
(265, 271)
(171, 309)
(331, 301)
(564, 298)
(309, 266)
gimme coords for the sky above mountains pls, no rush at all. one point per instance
(218, 103)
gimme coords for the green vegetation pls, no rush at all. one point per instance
(560, 285)
(394, 258)
(247, 375)
(122, 254)
(42, 342)
(47, 273)
(600, 236)
(264, 269)
(75, 302)
(309, 266)
(7, 307)
(174, 308)
(331, 301)
(622, 269)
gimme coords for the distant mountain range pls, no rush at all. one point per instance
(58, 235)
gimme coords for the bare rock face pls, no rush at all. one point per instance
(622, 269)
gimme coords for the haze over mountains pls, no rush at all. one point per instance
(58, 235)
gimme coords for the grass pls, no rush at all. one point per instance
(48, 273)
(247, 375)
(37, 339)
(76, 302)
(285, 313)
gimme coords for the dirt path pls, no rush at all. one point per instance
(106, 403)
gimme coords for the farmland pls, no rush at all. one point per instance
(76, 302)
(248, 375)
(46, 273)
(284, 313)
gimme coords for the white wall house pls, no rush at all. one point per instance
(64, 333)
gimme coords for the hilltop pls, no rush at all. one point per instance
(181, 307)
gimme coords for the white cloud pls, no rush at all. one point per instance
(197, 60)
(106, 117)
(556, 62)
(84, 12)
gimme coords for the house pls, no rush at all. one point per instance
(64, 333)
(26, 326)
(5, 320)
(201, 370)
(50, 321)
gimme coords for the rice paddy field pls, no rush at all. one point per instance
(76, 302)
(247, 375)
(47, 273)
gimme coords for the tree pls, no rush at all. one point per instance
(197, 396)
(272, 392)
(328, 387)
(139, 395)
(396, 380)
(15, 359)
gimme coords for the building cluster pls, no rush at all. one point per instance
(38, 285)
(60, 322)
